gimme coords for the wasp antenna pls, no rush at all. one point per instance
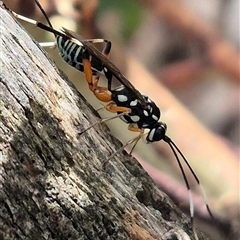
(191, 204)
(196, 178)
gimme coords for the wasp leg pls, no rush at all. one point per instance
(102, 93)
(132, 127)
(107, 47)
(133, 140)
(102, 121)
(112, 107)
(87, 67)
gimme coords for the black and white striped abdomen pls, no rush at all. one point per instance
(72, 53)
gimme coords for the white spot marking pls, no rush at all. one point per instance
(135, 118)
(122, 98)
(133, 103)
(145, 113)
(155, 117)
(151, 134)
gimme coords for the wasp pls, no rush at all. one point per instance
(73, 46)
(137, 110)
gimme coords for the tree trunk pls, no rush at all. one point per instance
(53, 184)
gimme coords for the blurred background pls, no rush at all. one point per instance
(184, 54)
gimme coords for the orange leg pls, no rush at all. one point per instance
(102, 93)
(87, 69)
(112, 107)
(132, 127)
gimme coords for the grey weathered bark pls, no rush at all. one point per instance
(53, 185)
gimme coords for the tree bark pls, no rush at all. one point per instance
(53, 184)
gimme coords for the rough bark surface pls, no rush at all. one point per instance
(53, 184)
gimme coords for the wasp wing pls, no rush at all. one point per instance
(78, 39)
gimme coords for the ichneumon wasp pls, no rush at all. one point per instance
(72, 46)
(134, 108)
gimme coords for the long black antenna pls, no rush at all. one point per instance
(173, 145)
(191, 204)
